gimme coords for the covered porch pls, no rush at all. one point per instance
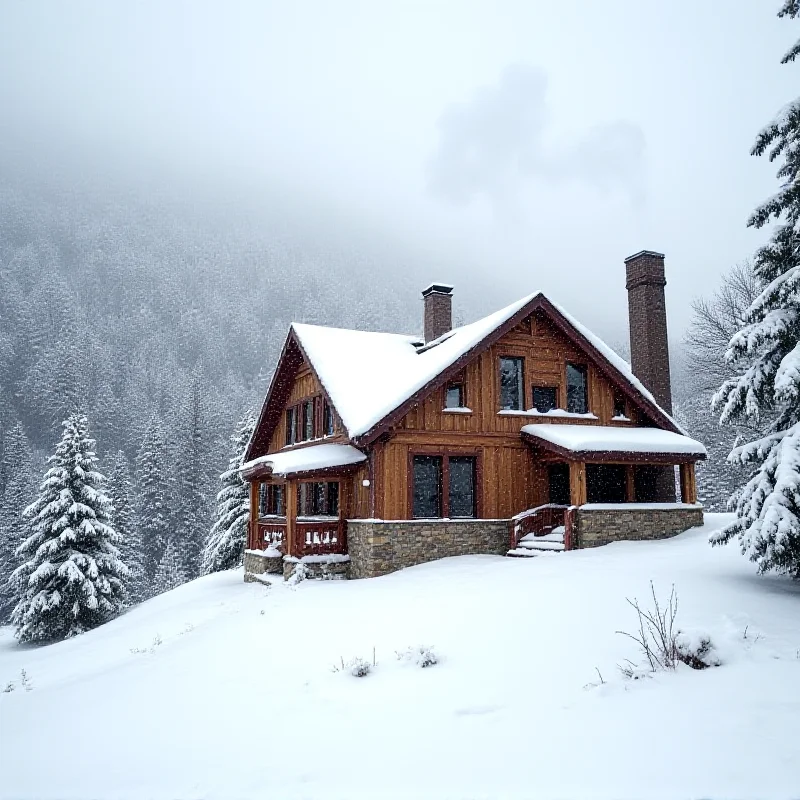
(299, 499)
(611, 482)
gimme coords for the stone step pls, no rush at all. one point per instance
(539, 544)
(528, 553)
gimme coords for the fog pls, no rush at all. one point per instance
(502, 146)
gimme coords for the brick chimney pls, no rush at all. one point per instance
(438, 299)
(647, 313)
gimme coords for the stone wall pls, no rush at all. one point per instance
(256, 563)
(383, 546)
(334, 568)
(615, 523)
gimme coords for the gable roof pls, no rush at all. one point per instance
(373, 379)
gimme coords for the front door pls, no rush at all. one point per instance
(558, 480)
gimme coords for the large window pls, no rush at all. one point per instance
(309, 419)
(271, 500)
(461, 490)
(512, 386)
(577, 394)
(430, 476)
(545, 398)
(318, 499)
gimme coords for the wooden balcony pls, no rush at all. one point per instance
(316, 536)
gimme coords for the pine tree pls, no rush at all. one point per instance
(766, 353)
(225, 546)
(120, 491)
(152, 515)
(71, 578)
(19, 491)
(169, 572)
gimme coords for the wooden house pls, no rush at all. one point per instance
(394, 449)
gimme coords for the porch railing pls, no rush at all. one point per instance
(311, 536)
(270, 533)
(316, 537)
(540, 521)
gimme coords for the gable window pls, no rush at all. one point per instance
(327, 419)
(291, 425)
(444, 486)
(307, 424)
(454, 395)
(318, 499)
(271, 500)
(577, 395)
(512, 388)
(620, 407)
(545, 398)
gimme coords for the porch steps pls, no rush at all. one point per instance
(531, 545)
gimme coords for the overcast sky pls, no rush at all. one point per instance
(511, 146)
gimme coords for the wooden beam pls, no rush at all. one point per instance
(291, 515)
(630, 483)
(688, 484)
(253, 529)
(577, 483)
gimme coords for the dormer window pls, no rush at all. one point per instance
(307, 426)
(577, 389)
(512, 386)
(454, 395)
(291, 425)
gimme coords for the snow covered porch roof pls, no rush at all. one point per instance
(303, 460)
(606, 443)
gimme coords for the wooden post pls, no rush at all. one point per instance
(577, 483)
(630, 484)
(252, 533)
(291, 514)
(688, 484)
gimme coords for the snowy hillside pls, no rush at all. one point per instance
(220, 689)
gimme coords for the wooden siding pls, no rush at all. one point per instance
(513, 476)
(305, 385)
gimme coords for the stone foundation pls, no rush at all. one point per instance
(318, 568)
(598, 524)
(257, 562)
(383, 546)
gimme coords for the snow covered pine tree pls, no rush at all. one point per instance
(766, 352)
(71, 578)
(225, 546)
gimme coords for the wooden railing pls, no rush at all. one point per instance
(270, 533)
(314, 537)
(540, 521)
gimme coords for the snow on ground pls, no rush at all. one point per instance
(239, 699)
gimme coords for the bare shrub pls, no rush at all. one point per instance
(422, 655)
(663, 643)
(657, 634)
(356, 666)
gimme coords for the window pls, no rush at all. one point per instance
(427, 486)
(431, 474)
(577, 400)
(619, 405)
(271, 500)
(454, 396)
(291, 425)
(307, 427)
(461, 488)
(318, 499)
(512, 392)
(545, 398)
(327, 419)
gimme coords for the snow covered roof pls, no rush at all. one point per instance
(368, 375)
(608, 439)
(306, 459)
